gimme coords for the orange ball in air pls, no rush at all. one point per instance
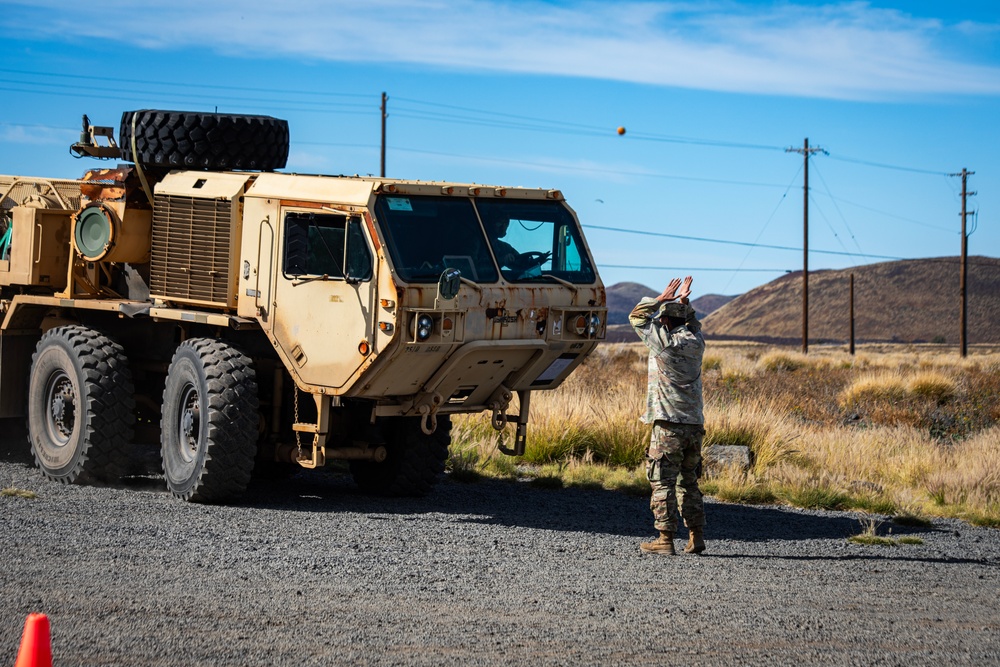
(621, 130)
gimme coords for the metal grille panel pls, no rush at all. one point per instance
(191, 247)
(54, 193)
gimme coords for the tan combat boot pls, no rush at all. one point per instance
(664, 544)
(696, 541)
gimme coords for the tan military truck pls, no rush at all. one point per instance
(240, 316)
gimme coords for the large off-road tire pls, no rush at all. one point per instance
(415, 461)
(187, 139)
(208, 429)
(80, 406)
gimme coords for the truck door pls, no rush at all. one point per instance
(324, 294)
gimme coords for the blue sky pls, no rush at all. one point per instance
(901, 94)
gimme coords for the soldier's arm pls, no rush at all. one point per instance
(647, 307)
(642, 314)
(690, 317)
(643, 320)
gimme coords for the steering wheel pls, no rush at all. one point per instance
(531, 259)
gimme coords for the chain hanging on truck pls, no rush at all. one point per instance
(295, 417)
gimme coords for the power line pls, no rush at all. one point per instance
(839, 212)
(728, 242)
(891, 215)
(830, 227)
(674, 268)
(144, 97)
(766, 224)
(598, 170)
(882, 165)
(491, 122)
(643, 136)
(500, 114)
(564, 127)
(185, 85)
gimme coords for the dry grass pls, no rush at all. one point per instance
(12, 492)
(869, 536)
(900, 431)
(874, 387)
(768, 434)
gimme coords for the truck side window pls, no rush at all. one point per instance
(359, 258)
(322, 244)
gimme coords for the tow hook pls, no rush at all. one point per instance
(426, 405)
(500, 401)
(428, 419)
(520, 441)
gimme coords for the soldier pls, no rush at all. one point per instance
(674, 407)
(507, 256)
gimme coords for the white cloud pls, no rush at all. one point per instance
(35, 134)
(844, 50)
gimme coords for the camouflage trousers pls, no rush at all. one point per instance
(673, 465)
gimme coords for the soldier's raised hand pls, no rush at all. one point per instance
(686, 288)
(670, 291)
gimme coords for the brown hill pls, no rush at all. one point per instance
(913, 300)
(622, 298)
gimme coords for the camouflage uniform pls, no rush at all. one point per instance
(674, 406)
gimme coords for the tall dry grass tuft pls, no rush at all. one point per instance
(711, 362)
(782, 361)
(770, 436)
(883, 386)
(970, 473)
(934, 385)
(885, 456)
(580, 419)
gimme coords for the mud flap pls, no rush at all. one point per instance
(15, 362)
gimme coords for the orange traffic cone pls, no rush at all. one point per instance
(36, 645)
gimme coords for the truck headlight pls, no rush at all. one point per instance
(593, 325)
(588, 325)
(423, 327)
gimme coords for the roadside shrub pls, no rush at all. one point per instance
(932, 385)
(734, 486)
(711, 362)
(877, 386)
(766, 433)
(782, 361)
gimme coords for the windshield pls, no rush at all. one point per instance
(531, 241)
(427, 235)
(535, 239)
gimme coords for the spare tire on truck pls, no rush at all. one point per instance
(193, 140)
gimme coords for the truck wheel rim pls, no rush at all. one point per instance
(189, 423)
(60, 398)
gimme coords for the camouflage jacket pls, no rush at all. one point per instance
(674, 376)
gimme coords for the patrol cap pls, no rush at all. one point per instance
(673, 309)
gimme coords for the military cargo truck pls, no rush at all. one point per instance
(246, 318)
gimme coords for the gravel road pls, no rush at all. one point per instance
(309, 572)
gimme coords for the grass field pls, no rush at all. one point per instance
(909, 432)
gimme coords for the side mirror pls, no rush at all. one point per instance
(449, 284)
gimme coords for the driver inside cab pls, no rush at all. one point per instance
(507, 256)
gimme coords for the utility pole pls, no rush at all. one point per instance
(962, 343)
(385, 98)
(852, 314)
(805, 151)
